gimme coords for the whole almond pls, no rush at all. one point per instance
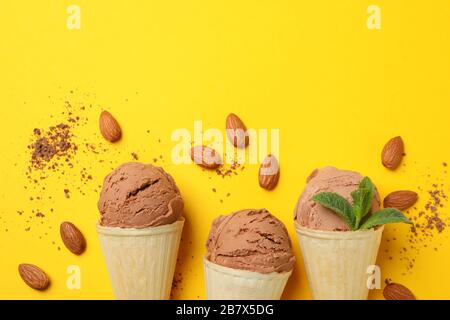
(312, 175)
(236, 131)
(34, 276)
(72, 237)
(269, 172)
(396, 291)
(206, 157)
(401, 200)
(392, 153)
(109, 127)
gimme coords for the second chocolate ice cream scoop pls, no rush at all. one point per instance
(252, 240)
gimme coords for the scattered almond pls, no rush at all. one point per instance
(34, 276)
(109, 127)
(269, 172)
(236, 131)
(392, 153)
(396, 291)
(72, 237)
(206, 157)
(400, 200)
(312, 175)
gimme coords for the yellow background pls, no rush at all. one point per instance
(335, 89)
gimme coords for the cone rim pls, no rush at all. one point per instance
(336, 235)
(119, 231)
(245, 273)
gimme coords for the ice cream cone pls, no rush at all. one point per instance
(336, 262)
(141, 262)
(223, 283)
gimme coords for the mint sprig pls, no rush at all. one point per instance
(355, 215)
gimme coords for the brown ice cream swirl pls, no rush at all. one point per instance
(251, 240)
(312, 215)
(137, 195)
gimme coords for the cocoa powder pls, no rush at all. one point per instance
(56, 156)
(430, 221)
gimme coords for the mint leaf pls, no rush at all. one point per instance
(384, 216)
(367, 184)
(362, 199)
(338, 204)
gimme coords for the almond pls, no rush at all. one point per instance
(392, 153)
(34, 276)
(236, 131)
(109, 127)
(400, 200)
(312, 175)
(396, 291)
(269, 172)
(206, 157)
(72, 237)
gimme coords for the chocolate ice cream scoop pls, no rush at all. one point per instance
(251, 240)
(137, 195)
(310, 214)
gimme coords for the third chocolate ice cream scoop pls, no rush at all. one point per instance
(310, 214)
